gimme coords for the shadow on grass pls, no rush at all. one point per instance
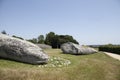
(77, 54)
(7, 59)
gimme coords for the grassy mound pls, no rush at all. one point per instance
(96, 66)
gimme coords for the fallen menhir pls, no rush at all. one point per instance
(72, 48)
(21, 50)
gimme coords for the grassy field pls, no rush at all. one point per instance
(96, 66)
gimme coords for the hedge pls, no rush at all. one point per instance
(112, 49)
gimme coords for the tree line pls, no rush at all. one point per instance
(51, 39)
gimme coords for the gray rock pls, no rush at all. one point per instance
(44, 46)
(21, 50)
(72, 48)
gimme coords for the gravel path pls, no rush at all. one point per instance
(116, 56)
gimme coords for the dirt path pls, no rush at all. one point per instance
(116, 56)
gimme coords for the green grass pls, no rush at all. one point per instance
(96, 66)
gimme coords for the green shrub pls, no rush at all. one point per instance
(110, 48)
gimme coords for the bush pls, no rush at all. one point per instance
(110, 48)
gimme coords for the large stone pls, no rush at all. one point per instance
(72, 48)
(21, 50)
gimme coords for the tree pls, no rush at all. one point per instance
(3, 32)
(56, 40)
(49, 38)
(41, 39)
(34, 40)
(66, 38)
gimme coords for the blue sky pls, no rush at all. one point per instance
(88, 21)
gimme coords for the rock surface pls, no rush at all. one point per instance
(21, 50)
(72, 48)
(44, 46)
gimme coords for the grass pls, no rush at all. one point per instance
(96, 66)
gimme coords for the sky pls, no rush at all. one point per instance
(88, 21)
